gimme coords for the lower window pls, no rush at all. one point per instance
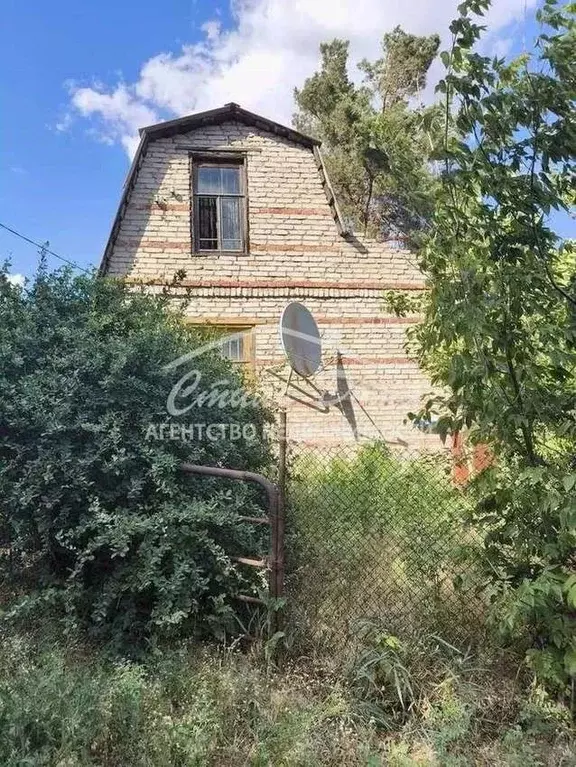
(237, 342)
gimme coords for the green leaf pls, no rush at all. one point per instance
(571, 596)
(570, 661)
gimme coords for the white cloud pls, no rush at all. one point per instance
(121, 113)
(272, 47)
(211, 29)
(16, 279)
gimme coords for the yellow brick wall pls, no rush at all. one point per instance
(295, 254)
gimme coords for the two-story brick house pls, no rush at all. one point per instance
(243, 207)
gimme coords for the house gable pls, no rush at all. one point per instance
(297, 250)
(164, 159)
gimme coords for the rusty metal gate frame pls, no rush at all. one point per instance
(274, 562)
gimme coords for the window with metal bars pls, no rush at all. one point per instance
(219, 206)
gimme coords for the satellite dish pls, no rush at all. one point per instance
(300, 339)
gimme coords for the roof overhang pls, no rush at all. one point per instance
(228, 113)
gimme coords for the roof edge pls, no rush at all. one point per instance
(122, 205)
(231, 111)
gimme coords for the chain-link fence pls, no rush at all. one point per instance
(375, 535)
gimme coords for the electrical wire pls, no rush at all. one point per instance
(44, 249)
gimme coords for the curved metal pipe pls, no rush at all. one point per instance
(275, 516)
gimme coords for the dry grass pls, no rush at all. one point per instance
(71, 706)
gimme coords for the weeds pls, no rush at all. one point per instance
(375, 535)
(185, 706)
(429, 705)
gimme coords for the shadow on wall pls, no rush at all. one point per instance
(344, 401)
(353, 240)
(322, 401)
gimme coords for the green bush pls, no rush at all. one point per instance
(95, 515)
(497, 339)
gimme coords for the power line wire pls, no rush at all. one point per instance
(44, 249)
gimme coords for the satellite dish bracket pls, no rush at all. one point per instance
(317, 403)
(288, 382)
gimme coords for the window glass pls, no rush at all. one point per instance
(233, 349)
(209, 180)
(230, 180)
(230, 223)
(214, 180)
(207, 223)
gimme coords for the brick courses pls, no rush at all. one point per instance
(295, 253)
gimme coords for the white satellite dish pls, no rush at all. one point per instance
(300, 339)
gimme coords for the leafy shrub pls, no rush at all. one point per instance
(498, 333)
(95, 514)
(529, 556)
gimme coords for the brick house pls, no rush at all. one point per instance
(243, 209)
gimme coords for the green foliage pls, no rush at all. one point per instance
(377, 534)
(403, 303)
(379, 673)
(70, 705)
(499, 332)
(95, 517)
(401, 72)
(181, 707)
(376, 143)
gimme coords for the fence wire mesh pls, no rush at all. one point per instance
(376, 535)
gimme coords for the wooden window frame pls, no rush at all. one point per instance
(220, 159)
(231, 327)
(247, 342)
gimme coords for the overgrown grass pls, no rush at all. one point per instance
(375, 535)
(379, 542)
(70, 707)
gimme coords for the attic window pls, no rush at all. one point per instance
(219, 205)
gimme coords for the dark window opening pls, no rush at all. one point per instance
(219, 206)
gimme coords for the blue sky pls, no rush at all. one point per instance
(63, 186)
(79, 79)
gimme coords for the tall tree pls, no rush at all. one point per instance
(377, 144)
(401, 72)
(500, 331)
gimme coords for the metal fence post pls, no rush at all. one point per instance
(280, 517)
